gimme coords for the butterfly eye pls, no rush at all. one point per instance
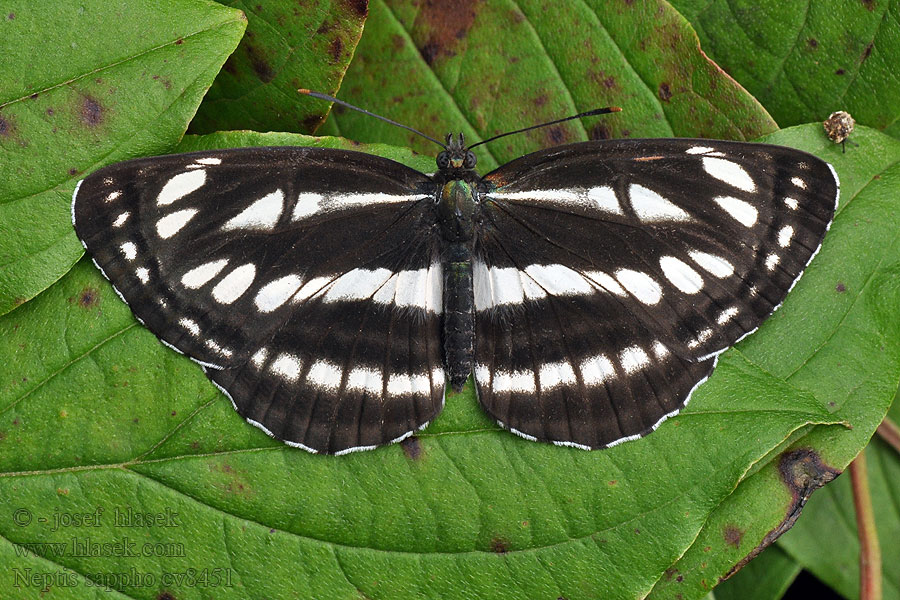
(470, 161)
(443, 160)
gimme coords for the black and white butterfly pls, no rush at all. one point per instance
(589, 287)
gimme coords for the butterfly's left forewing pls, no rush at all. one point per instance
(306, 281)
(609, 275)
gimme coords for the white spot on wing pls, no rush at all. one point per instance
(190, 325)
(659, 350)
(259, 357)
(604, 198)
(325, 375)
(198, 276)
(277, 292)
(713, 264)
(726, 315)
(262, 214)
(650, 206)
(785, 235)
(307, 205)
(358, 284)
(180, 186)
(286, 365)
(681, 275)
(596, 370)
(113, 196)
(129, 250)
(365, 380)
(234, 284)
(554, 374)
(143, 274)
(730, 172)
(209, 161)
(791, 203)
(606, 282)
(698, 150)
(640, 285)
(743, 212)
(172, 223)
(516, 381)
(772, 261)
(798, 182)
(633, 359)
(558, 280)
(120, 220)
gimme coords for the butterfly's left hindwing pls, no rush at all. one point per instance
(306, 281)
(609, 275)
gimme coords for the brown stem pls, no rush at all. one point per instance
(890, 433)
(869, 550)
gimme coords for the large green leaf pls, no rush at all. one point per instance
(95, 412)
(81, 85)
(851, 363)
(288, 45)
(487, 67)
(803, 60)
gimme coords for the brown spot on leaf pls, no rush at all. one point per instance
(73, 171)
(412, 447)
(166, 596)
(556, 135)
(600, 132)
(312, 122)
(360, 7)
(229, 66)
(179, 42)
(2, 435)
(802, 472)
(429, 52)
(89, 297)
(11, 16)
(664, 92)
(6, 127)
(812, 43)
(260, 65)
(34, 96)
(840, 72)
(840, 287)
(447, 24)
(867, 51)
(335, 49)
(733, 535)
(869, 4)
(499, 545)
(91, 112)
(398, 41)
(541, 100)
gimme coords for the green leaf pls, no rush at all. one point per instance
(288, 45)
(420, 64)
(766, 577)
(803, 60)
(838, 338)
(82, 85)
(839, 565)
(95, 412)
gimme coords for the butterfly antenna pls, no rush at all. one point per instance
(322, 96)
(590, 113)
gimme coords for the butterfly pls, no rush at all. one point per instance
(332, 294)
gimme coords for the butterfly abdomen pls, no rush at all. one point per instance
(459, 314)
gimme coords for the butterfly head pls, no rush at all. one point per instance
(456, 156)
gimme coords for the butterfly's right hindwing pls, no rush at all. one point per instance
(305, 280)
